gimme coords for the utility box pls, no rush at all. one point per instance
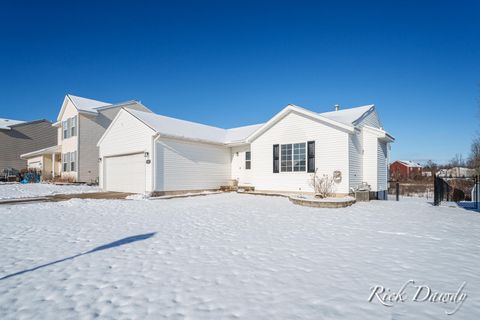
(362, 196)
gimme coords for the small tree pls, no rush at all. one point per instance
(474, 160)
(323, 185)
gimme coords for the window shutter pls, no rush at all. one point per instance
(311, 156)
(275, 159)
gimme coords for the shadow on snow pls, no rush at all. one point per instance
(110, 245)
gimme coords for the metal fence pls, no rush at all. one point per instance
(465, 191)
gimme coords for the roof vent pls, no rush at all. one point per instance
(337, 107)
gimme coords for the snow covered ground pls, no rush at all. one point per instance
(234, 256)
(17, 190)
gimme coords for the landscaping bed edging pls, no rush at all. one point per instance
(322, 203)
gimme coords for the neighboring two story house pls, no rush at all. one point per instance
(80, 124)
(18, 137)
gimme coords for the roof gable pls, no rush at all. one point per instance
(83, 105)
(408, 163)
(304, 112)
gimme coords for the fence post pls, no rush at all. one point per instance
(476, 197)
(397, 190)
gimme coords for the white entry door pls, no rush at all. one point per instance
(125, 173)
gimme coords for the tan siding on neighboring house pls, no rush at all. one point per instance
(24, 138)
(331, 154)
(182, 165)
(70, 144)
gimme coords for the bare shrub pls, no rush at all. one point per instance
(67, 179)
(324, 185)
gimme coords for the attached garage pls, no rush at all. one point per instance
(125, 173)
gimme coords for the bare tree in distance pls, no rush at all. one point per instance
(457, 161)
(474, 160)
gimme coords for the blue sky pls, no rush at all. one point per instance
(233, 63)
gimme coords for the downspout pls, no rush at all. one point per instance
(154, 162)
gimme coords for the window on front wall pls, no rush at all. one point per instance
(286, 158)
(65, 129)
(299, 162)
(65, 160)
(248, 160)
(73, 126)
(293, 157)
(73, 157)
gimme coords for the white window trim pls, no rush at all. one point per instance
(249, 161)
(72, 159)
(66, 161)
(65, 129)
(73, 125)
(292, 158)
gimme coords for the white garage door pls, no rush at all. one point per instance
(125, 173)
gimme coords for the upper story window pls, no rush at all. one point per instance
(293, 157)
(65, 129)
(69, 127)
(73, 126)
(248, 160)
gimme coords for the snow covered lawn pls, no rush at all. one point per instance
(233, 256)
(17, 190)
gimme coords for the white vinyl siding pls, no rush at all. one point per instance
(371, 119)
(182, 165)
(239, 171)
(331, 154)
(355, 159)
(382, 165)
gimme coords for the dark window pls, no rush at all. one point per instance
(248, 160)
(311, 156)
(275, 159)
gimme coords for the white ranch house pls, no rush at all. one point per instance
(146, 152)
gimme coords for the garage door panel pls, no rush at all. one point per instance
(125, 173)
